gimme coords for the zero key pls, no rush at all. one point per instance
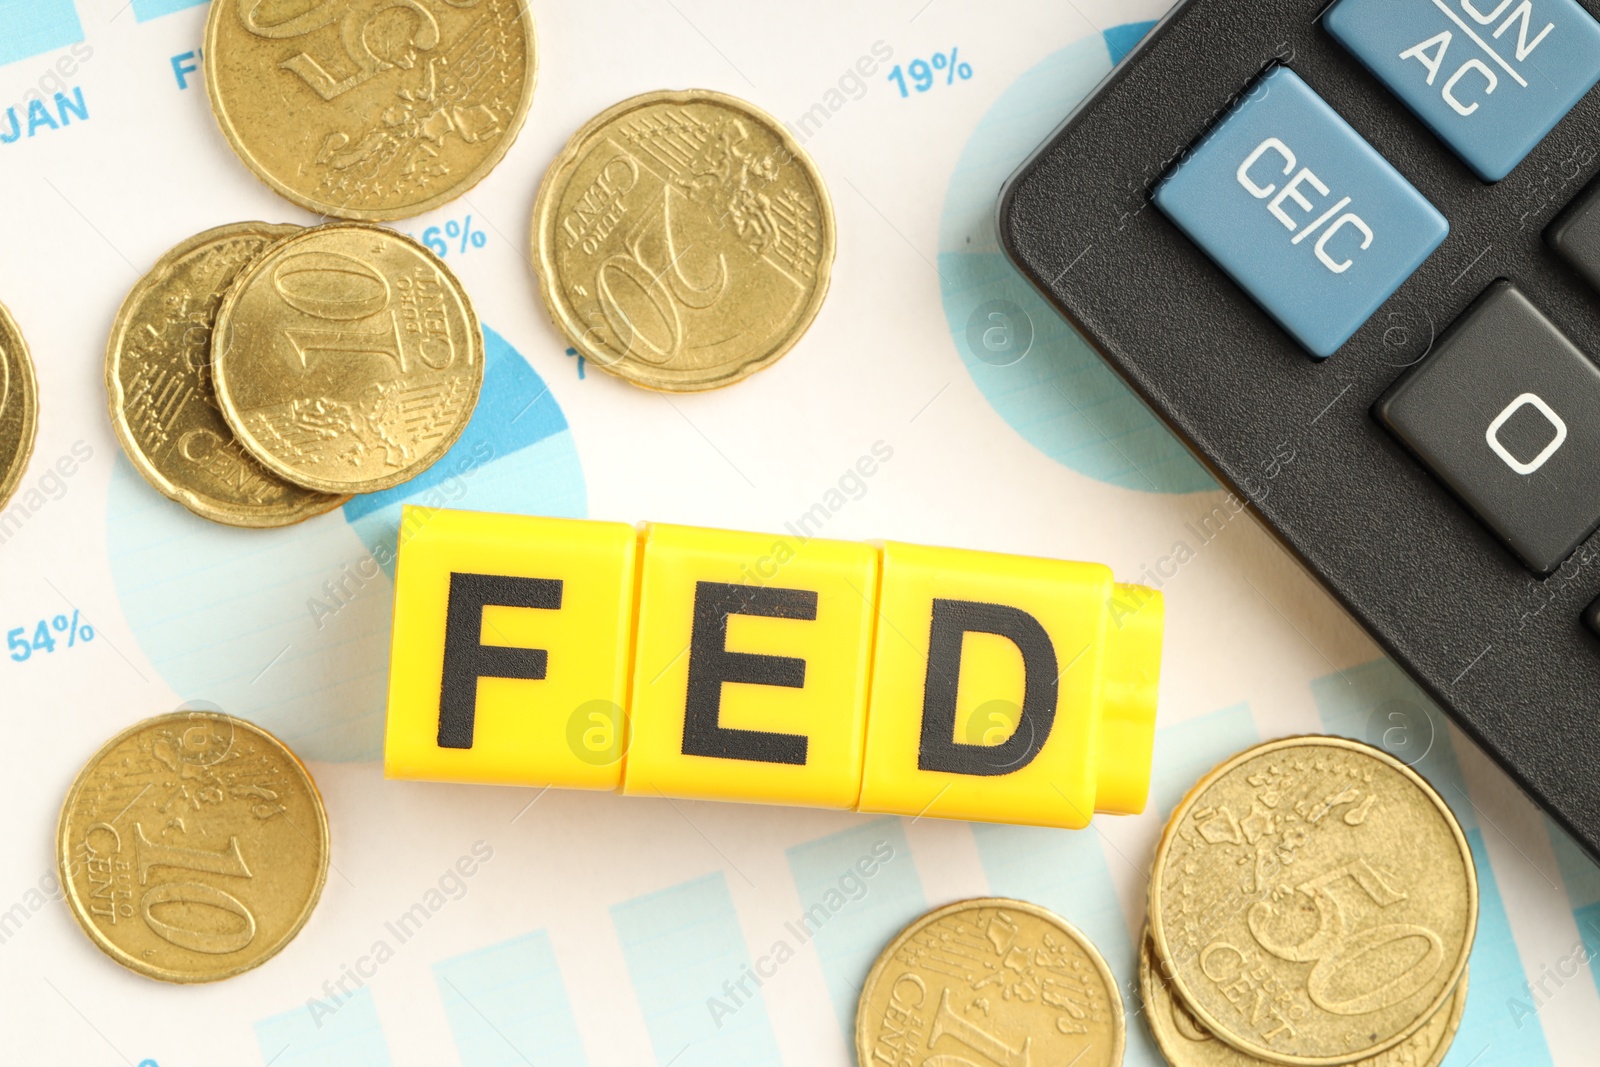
(1506, 412)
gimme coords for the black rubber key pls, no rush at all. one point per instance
(1576, 235)
(1506, 412)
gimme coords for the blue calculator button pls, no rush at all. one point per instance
(1489, 77)
(1302, 212)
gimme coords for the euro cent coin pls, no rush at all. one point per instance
(192, 847)
(370, 109)
(158, 387)
(19, 406)
(1313, 902)
(990, 981)
(683, 240)
(1185, 1043)
(347, 359)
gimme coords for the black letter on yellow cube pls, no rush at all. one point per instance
(467, 658)
(711, 664)
(952, 621)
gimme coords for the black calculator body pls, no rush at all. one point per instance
(1443, 473)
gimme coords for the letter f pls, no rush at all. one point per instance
(467, 658)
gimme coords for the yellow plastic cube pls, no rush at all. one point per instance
(751, 675)
(1009, 689)
(510, 653)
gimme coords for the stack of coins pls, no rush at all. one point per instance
(991, 981)
(19, 406)
(261, 374)
(192, 847)
(1313, 902)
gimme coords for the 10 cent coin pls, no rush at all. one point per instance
(996, 981)
(347, 359)
(192, 847)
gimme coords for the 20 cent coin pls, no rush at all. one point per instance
(683, 240)
(19, 406)
(158, 387)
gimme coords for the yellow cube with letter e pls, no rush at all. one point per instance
(777, 669)
(751, 674)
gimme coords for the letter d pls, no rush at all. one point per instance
(952, 621)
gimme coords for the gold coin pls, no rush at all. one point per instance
(1185, 1043)
(370, 109)
(996, 981)
(1313, 901)
(684, 241)
(192, 847)
(19, 406)
(158, 387)
(347, 358)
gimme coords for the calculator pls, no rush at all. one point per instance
(1350, 253)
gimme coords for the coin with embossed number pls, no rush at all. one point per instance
(19, 406)
(158, 387)
(683, 240)
(370, 109)
(1185, 1043)
(347, 359)
(192, 847)
(991, 981)
(1313, 901)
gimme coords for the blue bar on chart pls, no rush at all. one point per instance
(1185, 751)
(858, 888)
(508, 1006)
(31, 27)
(686, 955)
(1581, 878)
(145, 10)
(1068, 871)
(327, 1033)
(1378, 704)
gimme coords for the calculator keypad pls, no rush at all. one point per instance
(1506, 412)
(1490, 77)
(1576, 235)
(1302, 212)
